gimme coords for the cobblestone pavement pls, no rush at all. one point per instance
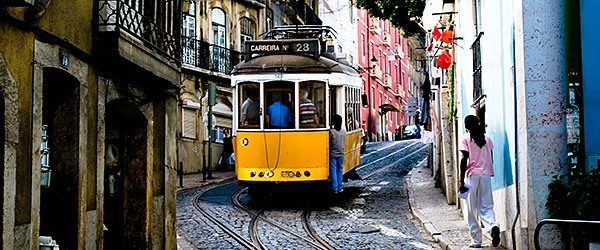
(372, 213)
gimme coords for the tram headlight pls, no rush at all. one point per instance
(252, 174)
(307, 173)
(298, 174)
(270, 174)
(261, 174)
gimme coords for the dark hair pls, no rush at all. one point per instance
(475, 130)
(337, 122)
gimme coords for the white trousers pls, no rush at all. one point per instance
(480, 206)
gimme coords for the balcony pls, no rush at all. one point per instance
(307, 14)
(375, 71)
(129, 38)
(398, 52)
(118, 16)
(387, 81)
(387, 39)
(374, 28)
(203, 55)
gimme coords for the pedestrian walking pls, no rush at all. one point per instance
(476, 169)
(337, 141)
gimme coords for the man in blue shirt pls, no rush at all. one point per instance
(278, 115)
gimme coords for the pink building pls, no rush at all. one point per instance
(383, 66)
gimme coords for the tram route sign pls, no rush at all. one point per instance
(292, 46)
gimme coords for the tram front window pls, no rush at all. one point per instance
(249, 109)
(279, 102)
(312, 104)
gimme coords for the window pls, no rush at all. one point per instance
(189, 34)
(279, 105)
(220, 55)
(247, 31)
(249, 109)
(269, 20)
(352, 108)
(311, 109)
(363, 43)
(218, 27)
(188, 123)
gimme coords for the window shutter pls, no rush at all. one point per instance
(188, 127)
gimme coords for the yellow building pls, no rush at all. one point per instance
(89, 93)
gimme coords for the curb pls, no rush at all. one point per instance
(207, 183)
(444, 242)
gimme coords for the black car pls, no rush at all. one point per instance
(411, 132)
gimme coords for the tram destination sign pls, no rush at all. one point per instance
(295, 46)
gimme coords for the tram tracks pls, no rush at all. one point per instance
(264, 228)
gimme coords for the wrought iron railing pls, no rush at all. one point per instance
(477, 87)
(117, 15)
(208, 56)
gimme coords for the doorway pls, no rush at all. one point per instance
(125, 177)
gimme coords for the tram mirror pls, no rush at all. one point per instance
(365, 102)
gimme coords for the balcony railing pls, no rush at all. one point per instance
(208, 56)
(117, 15)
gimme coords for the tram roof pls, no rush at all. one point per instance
(287, 63)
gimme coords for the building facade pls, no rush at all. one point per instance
(520, 66)
(89, 139)
(383, 61)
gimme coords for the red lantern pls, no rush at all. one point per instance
(447, 36)
(444, 60)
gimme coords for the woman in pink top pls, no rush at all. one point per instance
(477, 164)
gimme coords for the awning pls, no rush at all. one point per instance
(388, 107)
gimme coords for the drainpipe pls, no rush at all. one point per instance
(368, 90)
(517, 170)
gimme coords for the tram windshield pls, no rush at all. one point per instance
(283, 104)
(279, 105)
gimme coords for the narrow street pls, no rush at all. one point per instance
(372, 213)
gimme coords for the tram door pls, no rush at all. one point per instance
(333, 100)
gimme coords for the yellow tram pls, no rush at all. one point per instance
(285, 93)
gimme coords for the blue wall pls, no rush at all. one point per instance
(591, 79)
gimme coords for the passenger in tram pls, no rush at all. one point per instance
(308, 114)
(250, 114)
(278, 115)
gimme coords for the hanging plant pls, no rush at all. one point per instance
(397, 12)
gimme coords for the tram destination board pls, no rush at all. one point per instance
(296, 46)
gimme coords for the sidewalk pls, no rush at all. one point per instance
(191, 181)
(445, 223)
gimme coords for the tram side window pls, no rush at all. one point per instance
(279, 101)
(312, 104)
(249, 115)
(352, 109)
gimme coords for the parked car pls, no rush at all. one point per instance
(411, 132)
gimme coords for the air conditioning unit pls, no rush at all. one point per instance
(187, 103)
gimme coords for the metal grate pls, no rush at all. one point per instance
(209, 56)
(152, 31)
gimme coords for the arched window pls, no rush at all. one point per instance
(218, 27)
(247, 32)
